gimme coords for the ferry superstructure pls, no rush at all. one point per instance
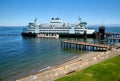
(57, 28)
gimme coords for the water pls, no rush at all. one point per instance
(22, 56)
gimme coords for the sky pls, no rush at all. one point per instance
(21, 12)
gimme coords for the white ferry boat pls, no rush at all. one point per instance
(57, 28)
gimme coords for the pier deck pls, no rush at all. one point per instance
(84, 46)
(112, 34)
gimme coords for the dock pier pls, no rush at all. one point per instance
(112, 34)
(112, 37)
(112, 40)
(83, 46)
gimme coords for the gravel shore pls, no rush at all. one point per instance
(75, 64)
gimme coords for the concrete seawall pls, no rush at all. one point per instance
(76, 64)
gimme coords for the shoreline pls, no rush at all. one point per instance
(37, 70)
(71, 65)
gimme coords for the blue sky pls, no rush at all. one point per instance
(20, 12)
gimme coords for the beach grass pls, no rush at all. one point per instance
(104, 71)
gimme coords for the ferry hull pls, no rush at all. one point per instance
(78, 35)
(29, 34)
(62, 35)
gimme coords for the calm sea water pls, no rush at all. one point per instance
(21, 56)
